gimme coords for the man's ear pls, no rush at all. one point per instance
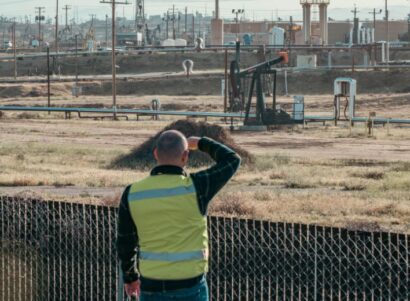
(155, 152)
(185, 156)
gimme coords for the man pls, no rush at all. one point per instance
(162, 220)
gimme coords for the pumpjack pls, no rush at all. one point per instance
(260, 76)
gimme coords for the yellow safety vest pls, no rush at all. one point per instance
(172, 232)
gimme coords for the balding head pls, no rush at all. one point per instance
(171, 149)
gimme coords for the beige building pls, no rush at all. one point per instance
(260, 31)
(248, 27)
(339, 32)
(396, 28)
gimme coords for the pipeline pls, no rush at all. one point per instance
(185, 114)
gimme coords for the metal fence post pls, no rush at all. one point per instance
(120, 295)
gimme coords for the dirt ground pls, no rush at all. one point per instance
(389, 105)
(324, 174)
(314, 174)
(205, 83)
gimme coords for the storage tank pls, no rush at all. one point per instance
(35, 43)
(247, 39)
(168, 43)
(90, 45)
(369, 36)
(180, 42)
(277, 36)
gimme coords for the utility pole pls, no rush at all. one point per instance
(237, 12)
(167, 25)
(139, 14)
(408, 27)
(193, 29)
(92, 20)
(355, 26)
(374, 13)
(173, 21)
(355, 11)
(106, 30)
(290, 37)
(186, 19)
(76, 65)
(136, 14)
(14, 49)
(56, 35)
(140, 22)
(387, 34)
(179, 21)
(48, 77)
(113, 60)
(290, 31)
(66, 8)
(39, 18)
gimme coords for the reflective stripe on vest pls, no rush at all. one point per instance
(160, 193)
(184, 256)
(172, 232)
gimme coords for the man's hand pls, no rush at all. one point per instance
(193, 143)
(133, 289)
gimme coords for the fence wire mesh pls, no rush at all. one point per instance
(66, 251)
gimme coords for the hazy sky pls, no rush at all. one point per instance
(257, 9)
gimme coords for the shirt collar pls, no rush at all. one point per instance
(168, 170)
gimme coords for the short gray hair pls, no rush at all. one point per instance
(171, 144)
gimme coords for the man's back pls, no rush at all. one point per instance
(164, 216)
(173, 241)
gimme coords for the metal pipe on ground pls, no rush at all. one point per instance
(186, 113)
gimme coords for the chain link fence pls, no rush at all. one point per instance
(66, 251)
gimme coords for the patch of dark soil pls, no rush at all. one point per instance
(364, 226)
(291, 144)
(173, 107)
(26, 115)
(362, 163)
(33, 93)
(142, 156)
(86, 105)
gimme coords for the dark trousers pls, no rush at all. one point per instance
(199, 292)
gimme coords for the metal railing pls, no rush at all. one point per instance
(66, 251)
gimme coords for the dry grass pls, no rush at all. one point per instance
(354, 210)
(37, 164)
(322, 191)
(308, 175)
